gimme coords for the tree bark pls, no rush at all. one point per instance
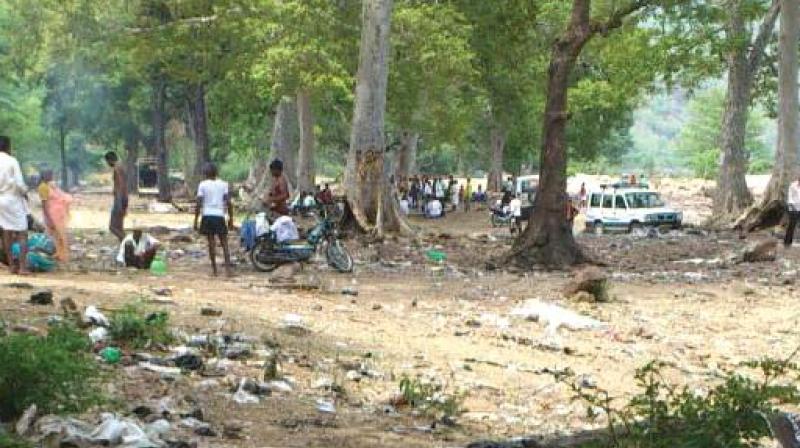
(199, 116)
(732, 196)
(131, 163)
(370, 194)
(62, 142)
(280, 148)
(305, 157)
(159, 138)
(497, 141)
(786, 156)
(548, 239)
(406, 163)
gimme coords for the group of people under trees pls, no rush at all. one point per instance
(432, 195)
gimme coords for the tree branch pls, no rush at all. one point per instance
(763, 36)
(617, 17)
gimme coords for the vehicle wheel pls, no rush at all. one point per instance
(598, 228)
(262, 246)
(635, 227)
(338, 256)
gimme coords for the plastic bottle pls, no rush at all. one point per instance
(159, 265)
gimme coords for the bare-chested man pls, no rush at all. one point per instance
(120, 207)
(279, 192)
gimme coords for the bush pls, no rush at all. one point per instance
(430, 399)
(733, 413)
(56, 372)
(11, 441)
(134, 326)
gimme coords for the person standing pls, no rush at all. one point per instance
(583, 196)
(278, 194)
(213, 199)
(467, 197)
(55, 207)
(13, 210)
(120, 206)
(793, 208)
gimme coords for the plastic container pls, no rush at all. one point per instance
(111, 355)
(436, 256)
(159, 265)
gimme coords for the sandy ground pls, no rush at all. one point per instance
(451, 323)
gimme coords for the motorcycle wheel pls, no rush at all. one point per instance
(496, 221)
(262, 245)
(338, 256)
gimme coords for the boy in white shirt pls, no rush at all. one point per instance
(793, 208)
(213, 199)
(515, 209)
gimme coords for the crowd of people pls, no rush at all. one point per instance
(433, 196)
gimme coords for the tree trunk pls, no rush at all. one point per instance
(62, 142)
(732, 196)
(159, 138)
(131, 163)
(370, 194)
(548, 239)
(305, 157)
(406, 161)
(497, 141)
(280, 148)
(407, 154)
(786, 156)
(199, 116)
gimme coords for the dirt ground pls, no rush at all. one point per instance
(677, 298)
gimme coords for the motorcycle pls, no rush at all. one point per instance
(500, 218)
(268, 253)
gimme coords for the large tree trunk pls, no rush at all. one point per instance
(786, 156)
(497, 141)
(732, 195)
(131, 163)
(62, 146)
(305, 157)
(159, 138)
(280, 148)
(199, 116)
(406, 163)
(370, 194)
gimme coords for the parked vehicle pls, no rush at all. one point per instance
(626, 209)
(268, 253)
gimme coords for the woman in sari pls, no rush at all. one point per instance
(55, 205)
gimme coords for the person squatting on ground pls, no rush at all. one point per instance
(278, 193)
(793, 209)
(55, 208)
(13, 208)
(213, 198)
(138, 250)
(120, 206)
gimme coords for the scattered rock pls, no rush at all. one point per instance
(760, 251)
(26, 421)
(349, 291)
(209, 311)
(44, 297)
(589, 280)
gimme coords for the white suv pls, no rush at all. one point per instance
(627, 209)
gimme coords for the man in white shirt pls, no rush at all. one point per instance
(138, 250)
(793, 208)
(213, 199)
(13, 208)
(434, 209)
(515, 209)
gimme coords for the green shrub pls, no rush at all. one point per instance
(733, 413)
(430, 398)
(134, 326)
(56, 372)
(12, 441)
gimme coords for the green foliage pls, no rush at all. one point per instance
(699, 140)
(56, 372)
(136, 327)
(12, 441)
(731, 413)
(430, 399)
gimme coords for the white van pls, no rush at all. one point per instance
(626, 209)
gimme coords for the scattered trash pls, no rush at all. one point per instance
(169, 371)
(44, 297)
(349, 291)
(294, 324)
(111, 355)
(436, 256)
(326, 407)
(112, 431)
(93, 316)
(98, 334)
(162, 292)
(189, 361)
(241, 395)
(555, 316)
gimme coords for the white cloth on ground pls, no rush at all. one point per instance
(13, 208)
(214, 193)
(434, 209)
(404, 206)
(146, 242)
(285, 229)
